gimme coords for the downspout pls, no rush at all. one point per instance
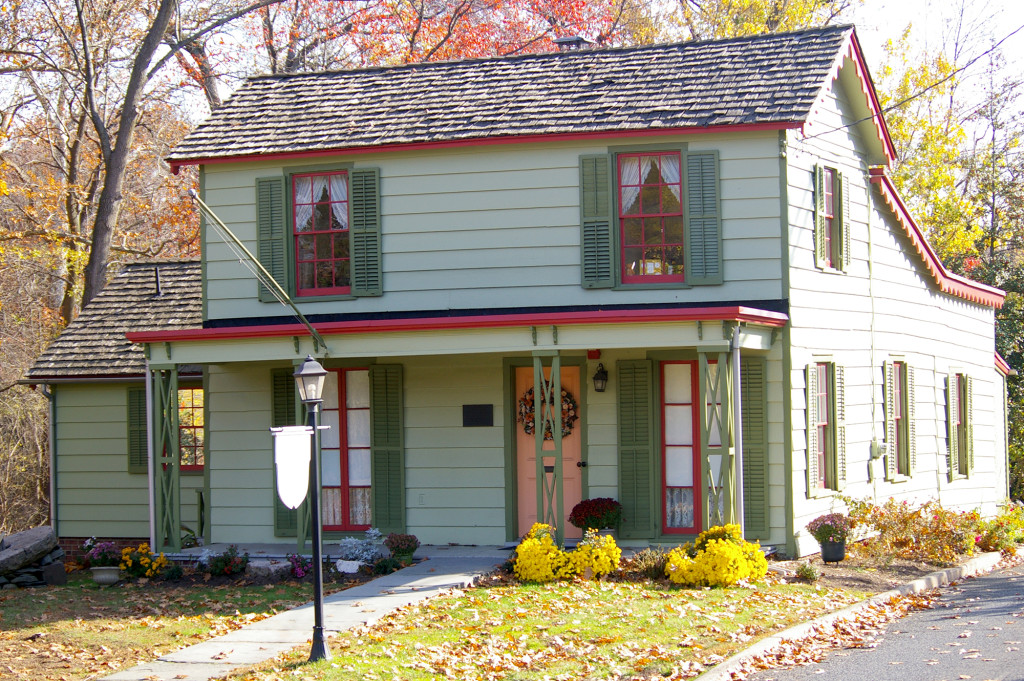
(737, 426)
(151, 459)
(51, 435)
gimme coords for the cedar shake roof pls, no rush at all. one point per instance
(94, 344)
(759, 80)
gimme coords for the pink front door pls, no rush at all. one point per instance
(526, 455)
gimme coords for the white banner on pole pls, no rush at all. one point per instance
(292, 451)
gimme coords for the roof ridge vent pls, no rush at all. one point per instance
(573, 43)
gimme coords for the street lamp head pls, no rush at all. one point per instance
(309, 379)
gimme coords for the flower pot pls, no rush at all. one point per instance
(833, 551)
(403, 556)
(106, 575)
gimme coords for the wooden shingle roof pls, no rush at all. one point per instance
(94, 344)
(759, 80)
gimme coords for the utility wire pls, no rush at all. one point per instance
(923, 90)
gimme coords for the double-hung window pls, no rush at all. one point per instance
(831, 219)
(959, 425)
(650, 217)
(319, 233)
(826, 427)
(900, 420)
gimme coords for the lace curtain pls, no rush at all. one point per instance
(636, 168)
(313, 189)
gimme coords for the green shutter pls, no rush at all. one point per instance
(843, 215)
(702, 222)
(271, 227)
(811, 374)
(952, 432)
(839, 419)
(637, 452)
(283, 414)
(911, 418)
(820, 256)
(138, 451)
(596, 231)
(387, 448)
(754, 410)
(969, 423)
(365, 232)
(891, 450)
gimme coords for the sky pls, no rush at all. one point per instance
(879, 20)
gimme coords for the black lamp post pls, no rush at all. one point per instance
(310, 382)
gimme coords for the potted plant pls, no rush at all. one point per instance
(599, 514)
(402, 546)
(104, 561)
(831, 531)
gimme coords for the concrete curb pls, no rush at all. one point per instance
(724, 671)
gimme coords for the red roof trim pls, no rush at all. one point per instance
(733, 313)
(853, 51)
(482, 141)
(950, 283)
(1003, 366)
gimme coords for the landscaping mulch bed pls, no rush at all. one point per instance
(859, 573)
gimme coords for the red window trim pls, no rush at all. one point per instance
(325, 291)
(829, 211)
(346, 507)
(698, 514)
(647, 278)
(824, 426)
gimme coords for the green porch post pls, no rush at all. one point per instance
(716, 378)
(547, 414)
(166, 458)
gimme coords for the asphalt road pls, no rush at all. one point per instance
(975, 631)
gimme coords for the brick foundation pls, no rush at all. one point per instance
(73, 545)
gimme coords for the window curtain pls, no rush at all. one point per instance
(639, 166)
(339, 198)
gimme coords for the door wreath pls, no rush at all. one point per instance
(570, 414)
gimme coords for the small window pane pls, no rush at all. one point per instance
(359, 428)
(341, 273)
(331, 391)
(322, 217)
(679, 507)
(652, 231)
(359, 505)
(303, 190)
(651, 170)
(673, 226)
(631, 258)
(358, 467)
(323, 246)
(633, 231)
(669, 200)
(679, 466)
(650, 197)
(341, 246)
(330, 438)
(330, 469)
(306, 275)
(324, 275)
(305, 247)
(652, 261)
(678, 425)
(357, 389)
(674, 259)
(677, 383)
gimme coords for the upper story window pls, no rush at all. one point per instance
(321, 233)
(651, 217)
(831, 219)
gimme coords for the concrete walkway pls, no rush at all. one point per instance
(445, 568)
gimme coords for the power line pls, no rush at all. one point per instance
(925, 89)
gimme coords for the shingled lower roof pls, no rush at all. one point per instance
(94, 345)
(759, 80)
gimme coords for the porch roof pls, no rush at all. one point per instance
(144, 295)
